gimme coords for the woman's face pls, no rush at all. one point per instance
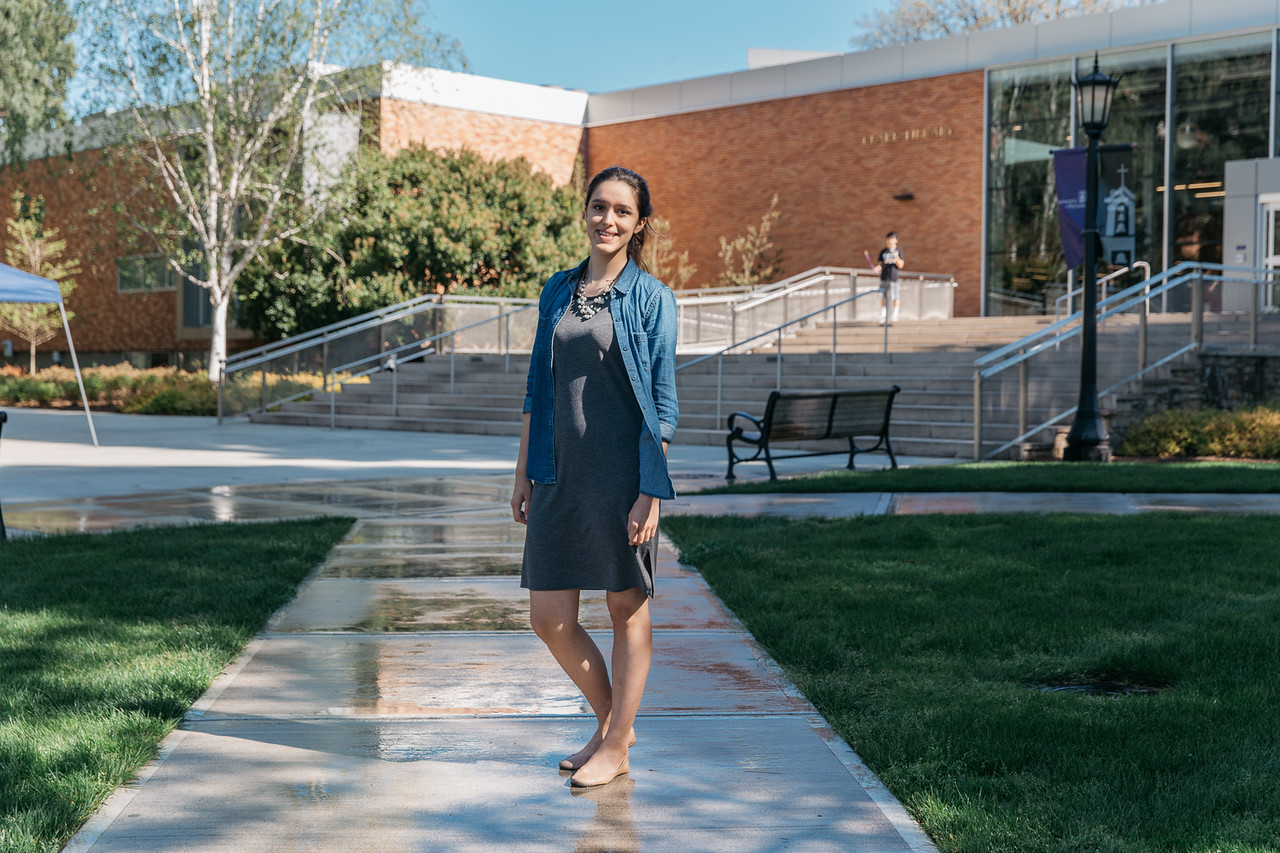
(611, 217)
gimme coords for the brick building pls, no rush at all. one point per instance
(946, 142)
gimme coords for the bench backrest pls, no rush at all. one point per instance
(793, 416)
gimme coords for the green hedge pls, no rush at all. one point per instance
(121, 387)
(158, 391)
(1241, 434)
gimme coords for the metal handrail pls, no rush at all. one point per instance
(1051, 330)
(815, 276)
(388, 360)
(317, 335)
(301, 342)
(1173, 356)
(368, 320)
(722, 325)
(777, 332)
(1140, 294)
(1102, 283)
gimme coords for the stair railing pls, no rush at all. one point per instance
(1193, 273)
(289, 370)
(281, 372)
(710, 321)
(777, 334)
(392, 360)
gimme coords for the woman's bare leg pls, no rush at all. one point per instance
(632, 653)
(554, 617)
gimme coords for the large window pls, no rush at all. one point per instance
(143, 274)
(1030, 117)
(1222, 95)
(1221, 110)
(197, 312)
(1138, 117)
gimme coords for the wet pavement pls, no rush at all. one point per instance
(400, 701)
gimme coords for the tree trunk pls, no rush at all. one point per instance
(33, 357)
(218, 345)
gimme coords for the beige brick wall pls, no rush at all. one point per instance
(550, 147)
(836, 160)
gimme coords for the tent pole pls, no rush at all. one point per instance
(75, 362)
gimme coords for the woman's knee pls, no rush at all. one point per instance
(553, 616)
(625, 606)
(550, 627)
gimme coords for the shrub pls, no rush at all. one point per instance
(120, 386)
(27, 389)
(1241, 433)
(192, 400)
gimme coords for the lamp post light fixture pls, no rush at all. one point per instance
(1094, 93)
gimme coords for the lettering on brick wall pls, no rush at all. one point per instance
(914, 134)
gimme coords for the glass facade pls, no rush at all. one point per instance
(1216, 95)
(1030, 116)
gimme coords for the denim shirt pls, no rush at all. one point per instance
(644, 325)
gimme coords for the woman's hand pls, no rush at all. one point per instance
(642, 521)
(520, 497)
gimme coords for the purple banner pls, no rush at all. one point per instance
(1069, 171)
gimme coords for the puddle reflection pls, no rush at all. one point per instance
(613, 829)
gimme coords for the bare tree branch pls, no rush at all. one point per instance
(909, 21)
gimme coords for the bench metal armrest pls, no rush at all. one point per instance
(737, 430)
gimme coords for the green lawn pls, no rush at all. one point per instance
(929, 641)
(106, 640)
(1225, 477)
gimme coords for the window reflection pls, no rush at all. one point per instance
(1222, 106)
(1222, 92)
(1137, 116)
(1030, 116)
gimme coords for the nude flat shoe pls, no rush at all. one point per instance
(568, 763)
(578, 781)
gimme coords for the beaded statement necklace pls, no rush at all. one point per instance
(587, 307)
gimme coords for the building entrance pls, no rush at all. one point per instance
(1269, 217)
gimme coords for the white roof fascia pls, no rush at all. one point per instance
(1158, 23)
(469, 92)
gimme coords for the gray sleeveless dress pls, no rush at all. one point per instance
(577, 532)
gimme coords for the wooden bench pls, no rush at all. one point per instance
(815, 416)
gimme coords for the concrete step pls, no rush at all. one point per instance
(932, 415)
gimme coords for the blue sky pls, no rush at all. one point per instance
(604, 46)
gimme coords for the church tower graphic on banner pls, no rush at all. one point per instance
(1119, 205)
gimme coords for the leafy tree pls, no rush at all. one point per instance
(919, 20)
(751, 258)
(419, 222)
(36, 61)
(35, 249)
(231, 103)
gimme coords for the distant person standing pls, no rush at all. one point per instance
(887, 266)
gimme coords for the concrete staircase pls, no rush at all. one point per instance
(931, 361)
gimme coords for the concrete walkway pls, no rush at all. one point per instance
(400, 701)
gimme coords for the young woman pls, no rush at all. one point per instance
(598, 414)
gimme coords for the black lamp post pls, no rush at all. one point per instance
(1093, 98)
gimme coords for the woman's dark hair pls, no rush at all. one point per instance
(644, 208)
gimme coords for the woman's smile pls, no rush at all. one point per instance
(611, 216)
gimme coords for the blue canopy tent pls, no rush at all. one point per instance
(19, 286)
